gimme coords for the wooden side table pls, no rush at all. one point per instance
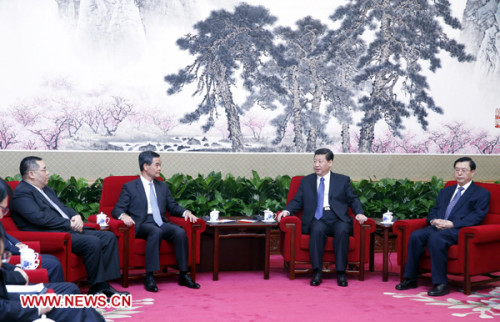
(383, 230)
(238, 228)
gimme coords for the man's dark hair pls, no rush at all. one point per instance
(5, 190)
(327, 152)
(28, 164)
(472, 164)
(147, 157)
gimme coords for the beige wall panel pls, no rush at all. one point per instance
(99, 164)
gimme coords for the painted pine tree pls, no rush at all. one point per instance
(406, 33)
(225, 46)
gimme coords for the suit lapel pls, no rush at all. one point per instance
(313, 186)
(331, 189)
(142, 193)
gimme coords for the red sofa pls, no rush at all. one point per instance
(132, 250)
(476, 253)
(294, 246)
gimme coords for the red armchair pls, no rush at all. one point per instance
(294, 246)
(476, 253)
(132, 250)
(53, 243)
(38, 275)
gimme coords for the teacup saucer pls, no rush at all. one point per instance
(272, 220)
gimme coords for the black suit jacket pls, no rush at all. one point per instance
(11, 310)
(470, 209)
(133, 201)
(9, 242)
(32, 211)
(341, 196)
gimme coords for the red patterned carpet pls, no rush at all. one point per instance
(246, 296)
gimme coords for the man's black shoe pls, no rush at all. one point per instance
(439, 290)
(185, 280)
(316, 280)
(109, 291)
(341, 279)
(150, 284)
(406, 284)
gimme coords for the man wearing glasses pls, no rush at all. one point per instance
(35, 207)
(463, 205)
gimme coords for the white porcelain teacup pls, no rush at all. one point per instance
(269, 215)
(102, 219)
(214, 215)
(29, 259)
(387, 217)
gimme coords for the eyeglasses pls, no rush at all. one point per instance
(457, 170)
(6, 256)
(40, 170)
(4, 209)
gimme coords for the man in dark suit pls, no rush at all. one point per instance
(35, 207)
(10, 305)
(143, 202)
(463, 205)
(12, 245)
(324, 198)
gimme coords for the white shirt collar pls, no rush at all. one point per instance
(326, 176)
(465, 186)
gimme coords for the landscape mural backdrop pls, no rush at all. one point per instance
(372, 76)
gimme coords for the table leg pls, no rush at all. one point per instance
(371, 265)
(385, 268)
(216, 254)
(268, 253)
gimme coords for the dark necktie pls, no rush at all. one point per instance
(453, 202)
(154, 205)
(321, 195)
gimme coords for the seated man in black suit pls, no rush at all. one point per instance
(12, 245)
(324, 197)
(463, 205)
(10, 305)
(143, 202)
(35, 207)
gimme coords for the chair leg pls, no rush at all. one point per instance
(467, 281)
(125, 255)
(361, 276)
(194, 254)
(125, 277)
(292, 253)
(291, 273)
